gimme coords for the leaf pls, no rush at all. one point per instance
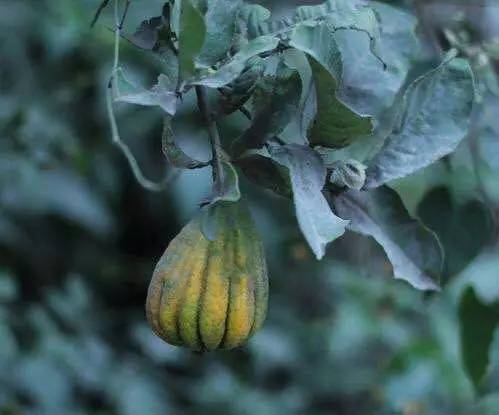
(454, 224)
(233, 68)
(307, 109)
(162, 94)
(253, 16)
(308, 175)
(335, 125)
(238, 92)
(173, 153)
(435, 117)
(190, 38)
(146, 36)
(337, 14)
(220, 28)
(477, 322)
(366, 86)
(413, 250)
(259, 167)
(275, 100)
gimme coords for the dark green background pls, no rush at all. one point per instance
(79, 239)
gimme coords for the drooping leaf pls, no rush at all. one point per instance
(413, 250)
(335, 124)
(146, 36)
(435, 116)
(308, 175)
(220, 21)
(233, 68)
(263, 171)
(162, 94)
(173, 153)
(454, 224)
(190, 38)
(275, 100)
(477, 321)
(297, 131)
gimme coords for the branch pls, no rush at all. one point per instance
(216, 146)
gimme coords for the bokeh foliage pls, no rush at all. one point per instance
(79, 238)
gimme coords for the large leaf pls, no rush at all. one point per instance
(337, 14)
(477, 321)
(335, 124)
(454, 223)
(162, 94)
(190, 38)
(435, 116)
(220, 21)
(413, 250)
(276, 100)
(233, 68)
(308, 175)
(366, 85)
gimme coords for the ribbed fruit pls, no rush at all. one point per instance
(210, 294)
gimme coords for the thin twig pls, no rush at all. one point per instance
(102, 6)
(127, 7)
(216, 146)
(113, 85)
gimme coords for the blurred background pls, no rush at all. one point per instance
(79, 239)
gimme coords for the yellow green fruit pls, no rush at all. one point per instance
(211, 294)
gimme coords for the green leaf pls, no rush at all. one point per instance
(413, 250)
(435, 116)
(477, 321)
(162, 94)
(220, 28)
(173, 153)
(233, 68)
(335, 124)
(262, 170)
(308, 175)
(275, 100)
(190, 38)
(454, 224)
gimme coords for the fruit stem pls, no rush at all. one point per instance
(216, 146)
